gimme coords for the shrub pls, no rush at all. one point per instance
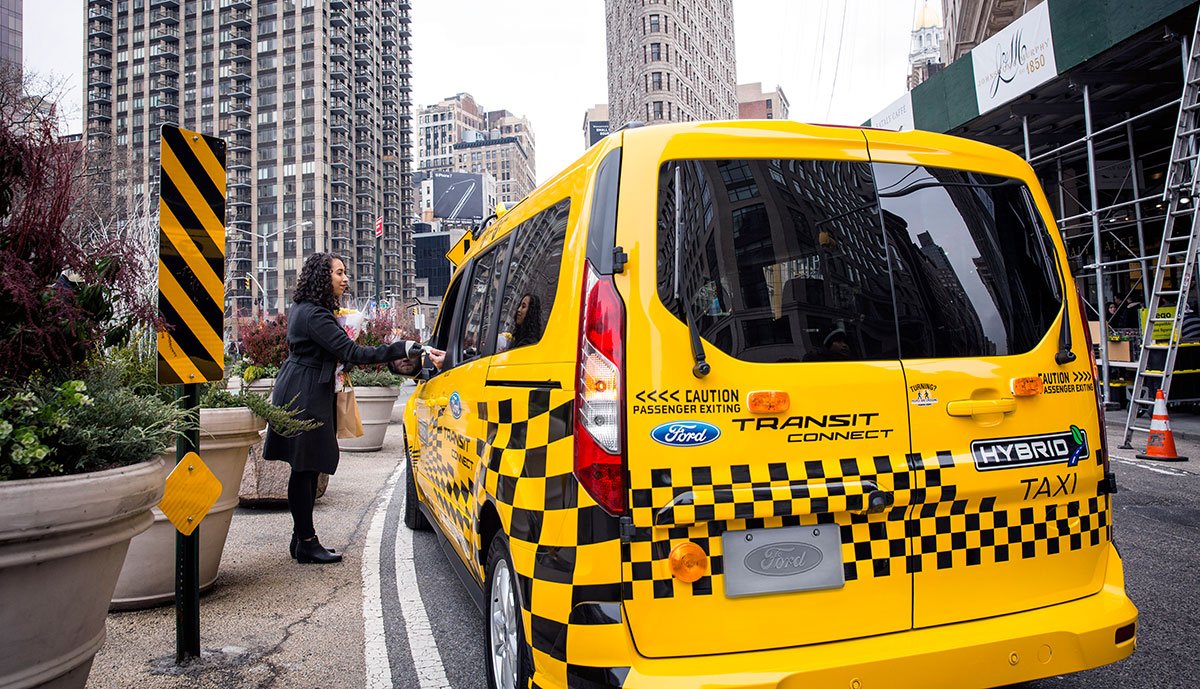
(265, 342)
(69, 293)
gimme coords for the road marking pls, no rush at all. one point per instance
(431, 673)
(1156, 468)
(379, 667)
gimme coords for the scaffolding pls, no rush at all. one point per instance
(1099, 138)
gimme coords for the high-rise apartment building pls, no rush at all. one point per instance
(11, 42)
(670, 62)
(312, 98)
(755, 104)
(457, 135)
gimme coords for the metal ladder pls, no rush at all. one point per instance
(1178, 250)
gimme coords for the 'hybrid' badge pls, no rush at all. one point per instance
(1066, 447)
(685, 433)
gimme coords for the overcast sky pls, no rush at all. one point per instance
(838, 61)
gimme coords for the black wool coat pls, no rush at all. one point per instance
(316, 344)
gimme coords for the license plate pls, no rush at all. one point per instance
(791, 558)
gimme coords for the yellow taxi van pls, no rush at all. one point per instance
(763, 404)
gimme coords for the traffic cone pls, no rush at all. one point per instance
(1161, 443)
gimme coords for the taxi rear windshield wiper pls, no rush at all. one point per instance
(700, 367)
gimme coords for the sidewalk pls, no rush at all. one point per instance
(267, 621)
(1184, 424)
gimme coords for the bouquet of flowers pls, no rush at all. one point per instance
(351, 321)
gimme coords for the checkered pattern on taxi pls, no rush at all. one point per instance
(972, 532)
(522, 446)
(699, 504)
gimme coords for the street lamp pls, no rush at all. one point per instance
(261, 281)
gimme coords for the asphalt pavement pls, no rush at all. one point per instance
(394, 614)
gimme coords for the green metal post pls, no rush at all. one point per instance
(187, 551)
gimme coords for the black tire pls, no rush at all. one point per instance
(522, 669)
(414, 518)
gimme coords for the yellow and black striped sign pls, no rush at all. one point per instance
(191, 257)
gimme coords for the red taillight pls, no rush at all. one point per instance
(600, 394)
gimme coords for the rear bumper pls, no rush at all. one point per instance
(999, 651)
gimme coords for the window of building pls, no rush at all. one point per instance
(656, 51)
(656, 81)
(655, 23)
(657, 112)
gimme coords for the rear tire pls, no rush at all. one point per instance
(509, 660)
(414, 518)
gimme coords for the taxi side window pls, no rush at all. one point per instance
(533, 277)
(442, 328)
(479, 305)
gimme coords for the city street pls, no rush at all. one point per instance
(272, 623)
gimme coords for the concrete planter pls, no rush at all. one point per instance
(148, 577)
(62, 542)
(375, 408)
(265, 482)
(262, 386)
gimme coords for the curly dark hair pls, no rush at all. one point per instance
(315, 282)
(530, 330)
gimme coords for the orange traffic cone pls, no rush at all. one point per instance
(1161, 443)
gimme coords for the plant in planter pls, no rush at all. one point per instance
(375, 388)
(230, 425)
(264, 349)
(77, 469)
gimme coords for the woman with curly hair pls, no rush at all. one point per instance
(316, 344)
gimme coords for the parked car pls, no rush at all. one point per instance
(762, 403)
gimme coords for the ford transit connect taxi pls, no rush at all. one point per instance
(761, 404)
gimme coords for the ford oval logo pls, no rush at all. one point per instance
(783, 559)
(685, 433)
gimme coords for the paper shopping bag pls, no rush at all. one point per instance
(349, 423)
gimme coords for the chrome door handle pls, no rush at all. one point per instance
(1004, 405)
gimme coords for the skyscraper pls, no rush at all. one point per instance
(312, 98)
(11, 43)
(670, 62)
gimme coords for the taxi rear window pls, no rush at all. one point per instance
(812, 260)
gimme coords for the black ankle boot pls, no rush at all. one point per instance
(310, 551)
(292, 546)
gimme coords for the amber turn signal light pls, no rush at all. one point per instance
(768, 401)
(688, 562)
(1027, 386)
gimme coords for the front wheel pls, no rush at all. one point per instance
(509, 663)
(414, 518)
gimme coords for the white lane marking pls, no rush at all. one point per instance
(1156, 468)
(431, 673)
(379, 666)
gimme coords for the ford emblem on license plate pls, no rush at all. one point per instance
(793, 558)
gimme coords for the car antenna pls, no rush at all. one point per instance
(701, 367)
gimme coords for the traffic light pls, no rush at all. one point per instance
(247, 282)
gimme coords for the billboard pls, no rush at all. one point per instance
(597, 129)
(458, 196)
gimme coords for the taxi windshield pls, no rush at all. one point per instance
(814, 260)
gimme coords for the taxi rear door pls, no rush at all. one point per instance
(1014, 515)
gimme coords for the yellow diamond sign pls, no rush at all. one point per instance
(192, 489)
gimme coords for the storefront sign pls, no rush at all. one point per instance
(1015, 60)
